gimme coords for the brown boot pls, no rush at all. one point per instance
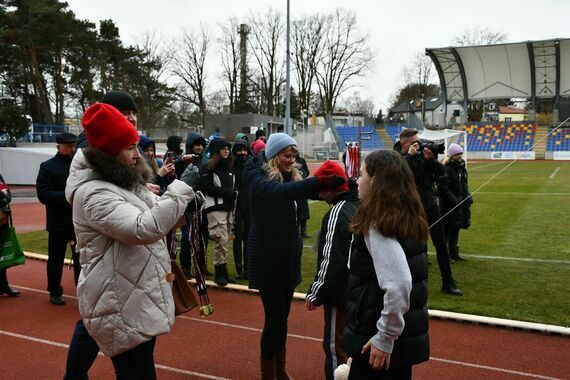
(280, 365)
(454, 254)
(267, 369)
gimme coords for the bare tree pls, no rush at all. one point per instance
(154, 97)
(229, 45)
(345, 57)
(355, 104)
(189, 67)
(307, 49)
(479, 36)
(419, 71)
(266, 37)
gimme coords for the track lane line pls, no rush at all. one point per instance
(66, 346)
(231, 325)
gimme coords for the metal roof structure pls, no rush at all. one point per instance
(532, 70)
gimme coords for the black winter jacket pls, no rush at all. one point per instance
(426, 174)
(274, 244)
(239, 172)
(452, 190)
(331, 281)
(218, 187)
(303, 204)
(50, 186)
(365, 304)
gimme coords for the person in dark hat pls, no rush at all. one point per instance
(124, 103)
(50, 185)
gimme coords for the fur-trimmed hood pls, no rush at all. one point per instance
(92, 163)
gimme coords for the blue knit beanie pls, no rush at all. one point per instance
(276, 143)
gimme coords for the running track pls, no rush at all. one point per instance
(34, 335)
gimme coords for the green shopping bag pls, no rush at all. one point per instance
(11, 253)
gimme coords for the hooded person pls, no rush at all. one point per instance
(124, 294)
(148, 148)
(259, 143)
(242, 153)
(217, 184)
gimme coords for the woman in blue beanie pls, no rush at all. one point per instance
(275, 245)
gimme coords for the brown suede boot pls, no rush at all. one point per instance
(267, 369)
(280, 365)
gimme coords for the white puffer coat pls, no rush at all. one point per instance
(124, 298)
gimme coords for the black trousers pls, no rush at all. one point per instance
(57, 246)
(361, 370)
(437, 234)
(136, 363)
(81, 354)
(276, 305)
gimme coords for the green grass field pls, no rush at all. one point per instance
(517, 247)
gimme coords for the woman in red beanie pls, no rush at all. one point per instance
(124, 294)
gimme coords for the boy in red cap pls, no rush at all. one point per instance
(124, 293)
(330, 285)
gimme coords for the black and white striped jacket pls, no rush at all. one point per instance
(330, 284)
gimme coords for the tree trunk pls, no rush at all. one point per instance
(41, 94)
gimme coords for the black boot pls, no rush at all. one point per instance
(454, 254)
(227, 276)
(9, 291)
(239, 272)
(449, 287)
(219, 277)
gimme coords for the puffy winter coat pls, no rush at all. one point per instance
(124, 297)
(452, 190)
(274, 244)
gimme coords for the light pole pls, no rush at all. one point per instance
(288, 78)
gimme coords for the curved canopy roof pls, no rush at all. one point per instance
(533, 69)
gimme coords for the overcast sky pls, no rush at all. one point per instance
(398, 29)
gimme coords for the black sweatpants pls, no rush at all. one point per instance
(276, 305)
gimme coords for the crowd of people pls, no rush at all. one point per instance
(118, 207)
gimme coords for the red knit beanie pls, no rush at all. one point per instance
(107, 129)
(333, 168)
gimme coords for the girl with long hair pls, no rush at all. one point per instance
(387, 319)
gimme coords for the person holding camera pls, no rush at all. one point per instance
(422, 159)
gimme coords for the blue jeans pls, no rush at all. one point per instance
(82, 353)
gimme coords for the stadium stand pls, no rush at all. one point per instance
(393, 131)
(559, 141)
(512, 137)
(349, 133)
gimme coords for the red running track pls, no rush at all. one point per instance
(34, 335)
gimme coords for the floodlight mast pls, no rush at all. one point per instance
(288, 77)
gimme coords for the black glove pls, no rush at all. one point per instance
(329, 182)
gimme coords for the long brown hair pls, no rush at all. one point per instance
(392, 204)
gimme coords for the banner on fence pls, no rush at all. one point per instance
(512, 155)
(561, 156)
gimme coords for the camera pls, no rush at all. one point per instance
(432, 146)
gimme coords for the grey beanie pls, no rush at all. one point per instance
(276, 143)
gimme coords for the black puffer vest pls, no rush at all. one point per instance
(366, 300)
